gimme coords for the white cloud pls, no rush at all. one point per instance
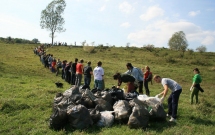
(125, 25)
(193, 13)
(160, 32)
(125, 7)
(102, 8)
(208, 40)
(152, 12)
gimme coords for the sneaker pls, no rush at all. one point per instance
(172, 119)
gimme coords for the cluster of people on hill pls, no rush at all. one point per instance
(134, 78)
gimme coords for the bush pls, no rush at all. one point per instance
(170, 59)
(89, 49)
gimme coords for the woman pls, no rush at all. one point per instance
(126, 78)
(147, 76)
(195, 87)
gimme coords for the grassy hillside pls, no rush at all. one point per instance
(27, 89)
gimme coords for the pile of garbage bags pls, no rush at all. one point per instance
(81, 108)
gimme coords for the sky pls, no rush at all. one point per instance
(115, 22)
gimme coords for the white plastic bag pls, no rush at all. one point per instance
(106, 120)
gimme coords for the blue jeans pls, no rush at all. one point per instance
(98, 84)
(173, 103)
(87, 81)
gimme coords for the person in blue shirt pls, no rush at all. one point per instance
(137, 74)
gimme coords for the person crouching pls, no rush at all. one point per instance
(126, 78)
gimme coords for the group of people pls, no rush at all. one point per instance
(134, 78)
(72, 72)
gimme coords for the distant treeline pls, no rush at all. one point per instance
(11, 40)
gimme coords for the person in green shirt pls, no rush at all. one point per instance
(195, 87)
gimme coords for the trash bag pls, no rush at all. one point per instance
(122, 110)
(75, 97)
(117, 94)
(102, 105)
(131, 95)
(79, 117)
(139, 117)
(106, 119)
(85, 101)
(73, 90)
(57, 99)
(104, 95)
(154, 106)
(58, 119)
(95, 115)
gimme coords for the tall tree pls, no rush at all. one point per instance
(51, 17)
(178, 42)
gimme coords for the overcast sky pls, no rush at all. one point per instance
(116, 22)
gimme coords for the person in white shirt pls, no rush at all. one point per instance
(174, 96)
(98, 74)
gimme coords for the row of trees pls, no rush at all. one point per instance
(19, 40)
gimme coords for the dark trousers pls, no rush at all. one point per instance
(173, 103)
(146, 87)
(73, 78)
(140, 86)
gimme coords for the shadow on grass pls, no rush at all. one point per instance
(160, 126)
(90, 130)
(200, 121)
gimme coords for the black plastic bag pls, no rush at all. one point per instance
(79, 117)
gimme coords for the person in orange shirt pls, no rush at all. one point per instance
(79, 72)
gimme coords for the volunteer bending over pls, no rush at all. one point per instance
(174, 96)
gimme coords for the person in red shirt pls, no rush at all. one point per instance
(147, 74)
(79, 72)
(53, 65)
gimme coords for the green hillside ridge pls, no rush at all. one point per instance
(27, 88)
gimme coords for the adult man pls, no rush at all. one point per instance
(98, 73)
(137, 74)
(79, 72)
(87, 74)
(174, 96)
(73, 76)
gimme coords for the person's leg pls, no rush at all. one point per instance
(79, 79)
(100, 84)
(96, 84)
(140, 87)
(196, 92)
(85, 81)
(73, 78)
(192, 95)
(146, 88)
(175, 98)
(76, 79)
(170, 105)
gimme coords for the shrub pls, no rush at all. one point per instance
(170, 59)
(89, 49)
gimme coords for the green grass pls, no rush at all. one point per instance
(27, 89)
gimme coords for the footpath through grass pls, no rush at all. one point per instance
(27, 89)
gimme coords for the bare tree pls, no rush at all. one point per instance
(51, 17)
(201, 49)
